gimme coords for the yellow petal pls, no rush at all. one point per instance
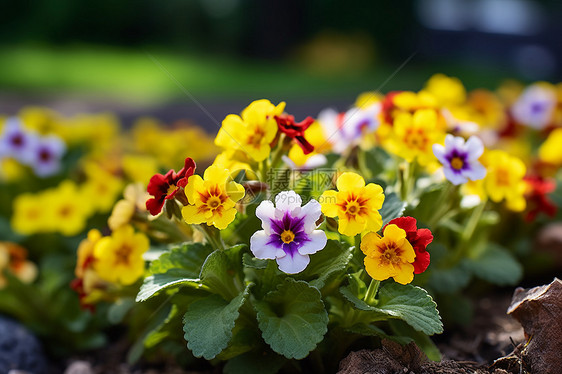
(349, 181)
(221, 221)
(194, 185)
(192, 215)
(328, 202)
(405, 274)
(350, 227)
(377, 270)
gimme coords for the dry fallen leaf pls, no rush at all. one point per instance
(539, 310)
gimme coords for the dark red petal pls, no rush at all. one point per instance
(422, 262)
(187, 170)
(424, 237)
(154, 206)
(157, 185)
(407, 224)
(304, 144)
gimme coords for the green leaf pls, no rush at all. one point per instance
(449, 280)
(411, 304)
(496, 265)
(371, 330)
(392, 208)
(328, 262)
(208, 323)
(406, 332)
(222, 272)
(406, 302)
(250, 261)
(158, 282)
(265, 362)
(119, 309)
(187, 256)
(156, 320)
(293, 318)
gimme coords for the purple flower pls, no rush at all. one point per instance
(289, 232)
(460, 158)
(16, 141)
(46, 155)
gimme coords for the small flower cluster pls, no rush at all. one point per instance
(42, 153)
(13, 259)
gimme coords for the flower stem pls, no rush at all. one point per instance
(212, 234)
(372, 291)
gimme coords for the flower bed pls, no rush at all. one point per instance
(279, 245)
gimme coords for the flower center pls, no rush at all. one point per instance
(171, 189)
(352, 208)
(45, 155)
(416, 139)
(17, 140)
(502, 177)
(457, 163)
(390, 255)
(255, 139)
(287, 236)
(214, 202)
(122, 254)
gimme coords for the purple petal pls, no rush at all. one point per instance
(476, 171)
(453, 176)
(439, 152)
(474, 147)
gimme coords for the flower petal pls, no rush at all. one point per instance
(311, 212)
(260, 248)
(287, 201)
(317, 241)
(349, 181)
(293, 264)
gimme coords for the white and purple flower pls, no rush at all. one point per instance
(535, 106)
(46, 156)
(460, 158)
(289, 232)
(17, 142)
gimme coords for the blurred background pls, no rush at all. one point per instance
(203, 59)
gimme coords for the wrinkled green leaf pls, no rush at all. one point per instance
(411, 304)
(392, 208)
(328, 262)
(496, 265)
(187, 256)
(222, 272)
(293, 319)
(158, 282)
(208, 323)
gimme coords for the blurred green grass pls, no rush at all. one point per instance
(152, 75)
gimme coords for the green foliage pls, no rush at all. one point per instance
(392, 208)
(208, 323)
(496, 265)
(326, 264)
(292, 318)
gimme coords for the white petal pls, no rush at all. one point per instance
(476, 172)
(290, 163)
(315, 161)
(449, 141)
(439, 152)
(265, 211)
(311, 213)
(317, 242)
(293, 264)
(260, 248)
(474, 147)
(287, 201)
(453, 177)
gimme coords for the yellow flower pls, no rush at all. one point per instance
(389, 256)
(139, 168)
(11, 170)
(67, 208)
(212, 199)
(414, 136)
(85, 252)
(504, 179)
(101, 187)
(30, 215)
(135, 197)
(355, 204)
(550, 151)
(448, 91)
(253, 132)
(118, 258)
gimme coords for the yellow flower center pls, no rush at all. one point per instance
(416, 139)
(287, 236)
(352, 208)
(65, 211)
(171, 189)
(502, 177)
(390, 255)
(457, 163)
(214, 202)
(255, 139)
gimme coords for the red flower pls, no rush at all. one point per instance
(537, 198)
(418, 238)
(164, 187)
(388, 106)
(287, 125)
